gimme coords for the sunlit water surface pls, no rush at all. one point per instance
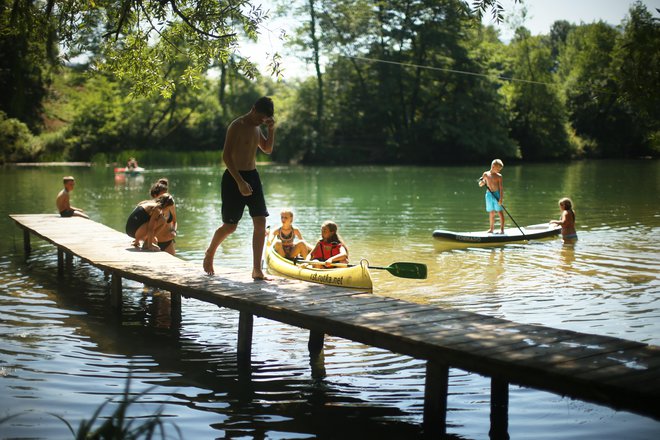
(63, 352)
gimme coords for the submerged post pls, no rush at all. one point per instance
(499, 409)
(435, 399)
(315, 343)
(26, 242)
(115, 291)
(175, 309)
(244, 349)
(60, 261)
(316, 356)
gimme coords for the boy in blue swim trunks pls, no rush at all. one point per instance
(241, 185)
(494, 193)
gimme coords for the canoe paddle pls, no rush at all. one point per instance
(401, 269)
(502, 205)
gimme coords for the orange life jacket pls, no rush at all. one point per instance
(322, 251)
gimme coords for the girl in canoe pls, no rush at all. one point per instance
(147, 219)
(285, 235)
(567, 221)
(331, 248)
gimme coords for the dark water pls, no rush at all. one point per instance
(63, 351)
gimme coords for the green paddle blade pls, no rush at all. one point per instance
(406, 270)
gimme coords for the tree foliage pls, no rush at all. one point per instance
(132, 39)
(636, 66)
(27, 46)
(538, 120)
(403, 81)
(384, 104)
(16, 142)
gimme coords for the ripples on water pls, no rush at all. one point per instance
(64, 351)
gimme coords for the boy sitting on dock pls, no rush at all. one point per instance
(63, 201)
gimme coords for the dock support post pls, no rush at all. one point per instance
(115, 291)
(60, 262)
(435, 399)
(26, 242)
(499, 409)
(69, 260)
(175, 309)
(316, 356)
(245, 322)
(315, 343)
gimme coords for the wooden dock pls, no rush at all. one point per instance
(617, 373)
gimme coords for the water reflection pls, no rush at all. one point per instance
(495, 269)
(63, 347)
(130, 181)
(567, 256)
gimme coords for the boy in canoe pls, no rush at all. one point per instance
(63, 201)
(493, 181)
(241, 185)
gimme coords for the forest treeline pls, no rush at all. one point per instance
(404, 81)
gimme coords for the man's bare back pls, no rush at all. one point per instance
(493, 180)
(63, 202)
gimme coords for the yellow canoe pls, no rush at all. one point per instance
(356, 277)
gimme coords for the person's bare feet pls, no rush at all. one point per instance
(150, 248)
(208, 263)
(258, 274)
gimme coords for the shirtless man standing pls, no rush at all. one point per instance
(241, 185)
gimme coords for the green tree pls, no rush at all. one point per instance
(133, 38)
(27, 47)
(389, 95)
(636, 69)
(109, 121)
(592, 98)
(16, 141)
(538, 117)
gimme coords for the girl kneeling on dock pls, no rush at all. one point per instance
(147, 219)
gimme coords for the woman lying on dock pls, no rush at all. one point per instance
(148, 219)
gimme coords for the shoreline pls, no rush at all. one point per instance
(50, 164)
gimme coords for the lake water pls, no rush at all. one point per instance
(63, 351)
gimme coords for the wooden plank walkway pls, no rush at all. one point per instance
(614, 372)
